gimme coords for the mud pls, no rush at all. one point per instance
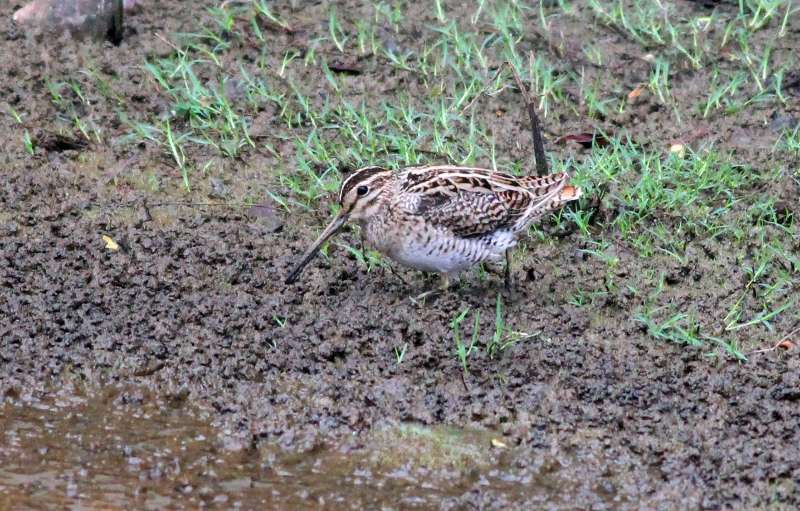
(179, 371)
(127, 447)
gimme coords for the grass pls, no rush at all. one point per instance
(463, 351)
(400, 353)
(502, 337)
(372, 86)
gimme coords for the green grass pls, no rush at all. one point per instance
(502, 337)
(240, 91)
(463, 351)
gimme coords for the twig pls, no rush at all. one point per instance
(777, 344)
(117, 28)
(536, 126)
(205, 204)
(146, 204)
(540, 157)
(394, 272)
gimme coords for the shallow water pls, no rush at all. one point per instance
(124, 448)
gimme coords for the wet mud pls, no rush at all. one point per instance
(179, 371)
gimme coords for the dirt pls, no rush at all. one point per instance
(184, 351)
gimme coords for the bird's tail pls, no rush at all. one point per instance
(555, 191)
(569, 193)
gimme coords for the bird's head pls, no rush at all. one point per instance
(359, 200)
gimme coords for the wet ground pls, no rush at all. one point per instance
(171, 367)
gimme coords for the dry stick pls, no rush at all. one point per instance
(777, 344)
(117, 27)
(538, 149)
(536, 126)
(538, 143)
(147, 205)
(232, 205)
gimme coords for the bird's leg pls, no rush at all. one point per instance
(394, 272)
(443, 286)
(507, 272)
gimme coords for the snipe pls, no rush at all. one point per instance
(442, 219)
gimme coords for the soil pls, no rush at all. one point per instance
(184, 351)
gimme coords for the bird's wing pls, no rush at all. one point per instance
(472, 202)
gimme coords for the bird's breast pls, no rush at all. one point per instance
(417, 244)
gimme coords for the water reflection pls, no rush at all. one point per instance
(123, 449)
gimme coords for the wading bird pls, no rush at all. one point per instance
(442, 219)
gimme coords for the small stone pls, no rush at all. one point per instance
(678, 150)
(267, 216)
(218, 188)
(498, 444)
(95, 18)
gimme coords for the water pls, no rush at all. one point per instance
(128, 448)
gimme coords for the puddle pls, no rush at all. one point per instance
(126, 448)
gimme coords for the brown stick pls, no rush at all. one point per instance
(540, 158)
(536, 126)
(539, 155)
(777, 344)
(117, 27)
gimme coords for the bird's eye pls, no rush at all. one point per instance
(362, 190)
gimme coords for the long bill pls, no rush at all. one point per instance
(329, 231)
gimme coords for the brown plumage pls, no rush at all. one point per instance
(442, 218)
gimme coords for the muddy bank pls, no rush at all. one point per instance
(183, 372)
(188, 313)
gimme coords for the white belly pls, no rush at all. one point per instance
(444, 253)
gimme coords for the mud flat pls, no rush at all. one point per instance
(645, 358)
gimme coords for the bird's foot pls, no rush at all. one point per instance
(445, 284)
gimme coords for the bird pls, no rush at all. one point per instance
(441, 218)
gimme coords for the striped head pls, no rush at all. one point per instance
(360, 194)
(359, 198)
